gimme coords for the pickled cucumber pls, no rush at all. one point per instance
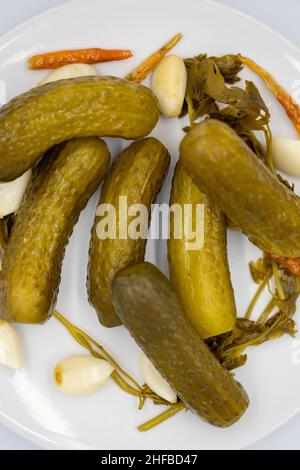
(201, 276)
(62, 184)
(137, 175)
(243, 188)
(78, 107)
(148, 307)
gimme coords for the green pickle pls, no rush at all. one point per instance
(243, 188)
(79, 107)
(62, 184)
(201, 275)
(137, 174)
(149, 308)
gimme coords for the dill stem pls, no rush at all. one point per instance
(115, 364)
(257, 295)
(83, 339)
(269, 141)
(73, 329)
(266, 312)
(119, 376)
(142, 71)
(269, 330)
(190, 110)
(279, 287)
(255, 341)
(118, 379)
(172, 411)
(142, 403)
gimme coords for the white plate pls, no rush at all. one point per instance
(29, 402)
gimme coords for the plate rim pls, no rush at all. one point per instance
(24, 431)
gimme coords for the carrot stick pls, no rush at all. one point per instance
(143, 70)
(291, 264)
(289, 104)
(53, 60)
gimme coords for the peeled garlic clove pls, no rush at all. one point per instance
(81, 375)
(155, 381)
(169, 81)
(286, 155)
(69, 71)
(11, 354)
(11, 194)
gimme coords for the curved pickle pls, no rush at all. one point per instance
(148, 307)
(201, 276)
(137, 175)
(79, 107)
(62, 184)
(244, 189)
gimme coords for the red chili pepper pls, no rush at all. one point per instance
(291, 264)
(53, 60)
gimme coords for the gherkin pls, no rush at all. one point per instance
(244, 189)
(62, 184)
(201, 275)
(149, 308)
(79, 107)
(137, 174)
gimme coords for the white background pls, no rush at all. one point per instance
(281, 16)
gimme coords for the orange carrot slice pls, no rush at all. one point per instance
(143, 70)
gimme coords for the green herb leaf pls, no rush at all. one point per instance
(230, 348)
(259, 269)
(208, 94)
(230, 66)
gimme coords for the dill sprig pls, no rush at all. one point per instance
(275, 320)
(257, 295)
(121, 378)
(173, 410)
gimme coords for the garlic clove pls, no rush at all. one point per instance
(11, 353)
(169, 82)
(155, 381)
(286, 155)
(81, 375)
(11, 194)
(69, 71)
